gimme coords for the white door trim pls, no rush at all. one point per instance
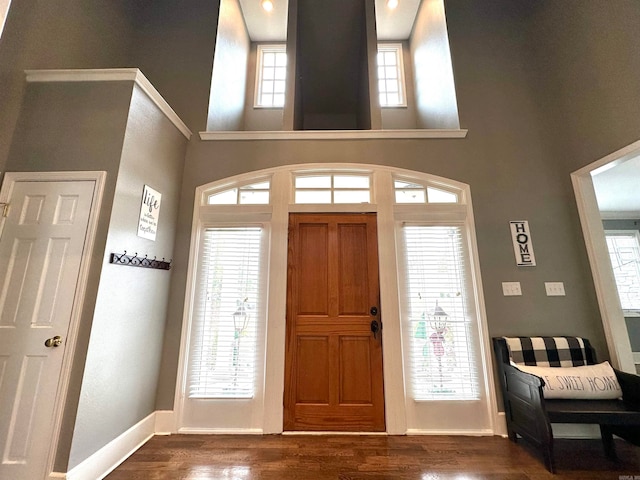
(613, 322)
(98, 177)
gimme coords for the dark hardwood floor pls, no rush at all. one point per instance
(369, 457)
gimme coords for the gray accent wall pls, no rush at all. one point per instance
(123, 357)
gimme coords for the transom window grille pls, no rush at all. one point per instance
(254, 194)
(391, 86)
(441, 356)
(271, 76)
(223, 358)
(332, 188)
(409, 192)
(624, 251)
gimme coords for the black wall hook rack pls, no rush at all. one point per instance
(136, 261)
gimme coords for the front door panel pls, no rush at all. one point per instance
(333, 377)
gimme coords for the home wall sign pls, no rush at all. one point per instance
(522, 245)
(149, 213)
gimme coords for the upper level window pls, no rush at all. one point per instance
(253, 194)
(328, 188)
(410, 192)
(390, 75)
(271, 76)
(624, 250)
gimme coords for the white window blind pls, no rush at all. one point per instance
(624, 251)
(227, 314)
(441, 357)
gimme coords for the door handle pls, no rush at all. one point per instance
(375, 328)
(53, 342)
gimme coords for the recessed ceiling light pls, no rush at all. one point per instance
(391, 4)
(268, 5)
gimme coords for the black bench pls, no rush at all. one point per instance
(530, 415)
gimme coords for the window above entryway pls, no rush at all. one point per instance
(252, 194)
(271, 76)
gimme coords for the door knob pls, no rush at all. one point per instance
(53, 342)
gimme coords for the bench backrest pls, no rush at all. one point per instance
(549, 351)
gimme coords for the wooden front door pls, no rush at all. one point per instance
(333, 364)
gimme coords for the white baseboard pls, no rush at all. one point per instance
(101, 463)
(468, 433)
(222, 431)
(501, 425)
(165, 422)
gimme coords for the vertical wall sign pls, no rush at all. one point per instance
(149, 213)
(522, 245)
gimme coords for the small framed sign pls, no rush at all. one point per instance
(149, 213)
(522, 245)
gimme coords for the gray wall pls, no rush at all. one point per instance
(431, 58)
(173, 45)
(71, 34)
(123, 358)
(229, 78)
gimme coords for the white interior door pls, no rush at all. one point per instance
(41, 248)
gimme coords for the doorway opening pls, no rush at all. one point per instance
(599, 202)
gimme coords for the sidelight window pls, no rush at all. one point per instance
(442, 359)
(227, 315)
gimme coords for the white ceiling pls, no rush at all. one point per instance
(272, 26)
(618, 189)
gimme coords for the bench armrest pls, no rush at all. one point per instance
(630, 384)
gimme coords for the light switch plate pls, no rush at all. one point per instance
(554, 289)
(511, 289)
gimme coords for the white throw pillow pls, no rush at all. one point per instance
(589, 382)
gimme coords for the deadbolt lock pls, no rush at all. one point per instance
(53, 342)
